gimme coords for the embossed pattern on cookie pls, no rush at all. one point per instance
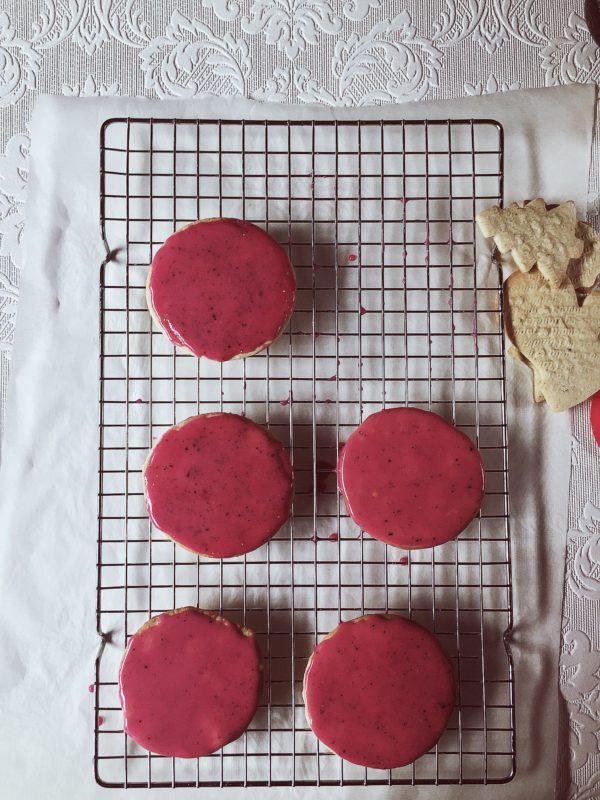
(534, 235)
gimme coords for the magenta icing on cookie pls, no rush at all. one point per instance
(222, 288)
(189, 683)
(379, 691)
(410, 479)
(218, 484)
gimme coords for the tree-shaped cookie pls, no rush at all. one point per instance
(584, 271)
(559, 338)
(535, 235)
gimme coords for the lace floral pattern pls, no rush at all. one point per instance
(337, 52)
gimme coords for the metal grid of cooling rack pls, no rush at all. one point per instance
(378, 220)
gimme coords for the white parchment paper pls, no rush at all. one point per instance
(48, 483)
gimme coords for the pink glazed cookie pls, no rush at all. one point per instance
(221, 288)
(189, 683)
(410, 478)
(218, 484)
(379, 691)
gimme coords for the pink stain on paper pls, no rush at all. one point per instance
(101, 721)
(324, 469)
(290, 399)
(332, 537)
(403, 560)
(321, 483)
(351, 258)
(363, 310)
(91, 688)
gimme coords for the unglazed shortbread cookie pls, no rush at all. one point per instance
(535, 235)
(221, 288)
(218, 484)
(559, 338)
(583, 272)
(379, 691)
(189, 683)
(410, 479)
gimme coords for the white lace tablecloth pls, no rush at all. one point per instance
(350, 52)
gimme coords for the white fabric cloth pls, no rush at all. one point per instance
(48, 485)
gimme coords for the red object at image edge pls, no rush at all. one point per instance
(595, 417)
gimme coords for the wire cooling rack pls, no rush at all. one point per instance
(378, 220)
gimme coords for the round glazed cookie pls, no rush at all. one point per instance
(218, 484)
(379, 691)
(410, 478)
(189, 683)
(221, 288)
